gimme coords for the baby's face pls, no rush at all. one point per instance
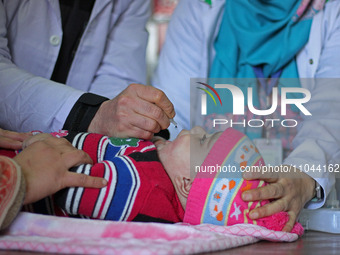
(190, 146)
(188, 150)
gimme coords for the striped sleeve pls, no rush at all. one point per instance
(114, 202)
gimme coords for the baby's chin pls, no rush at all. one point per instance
(160, 142)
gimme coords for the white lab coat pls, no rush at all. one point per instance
(188, 52)
(111, 55)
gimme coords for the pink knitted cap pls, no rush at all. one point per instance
(215, 196)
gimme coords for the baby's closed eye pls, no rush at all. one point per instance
(203, 139)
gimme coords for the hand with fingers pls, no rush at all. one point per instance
(45, 163)
(12, 140)
(288, 191)
(139, 111)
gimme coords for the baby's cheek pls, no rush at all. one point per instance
(182, 145)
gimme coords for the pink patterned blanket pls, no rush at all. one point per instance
(33, 232)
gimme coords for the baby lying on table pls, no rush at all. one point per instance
(151, 181)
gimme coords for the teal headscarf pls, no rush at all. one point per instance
(265, 33)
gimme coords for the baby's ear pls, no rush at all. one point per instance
(183, 186)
